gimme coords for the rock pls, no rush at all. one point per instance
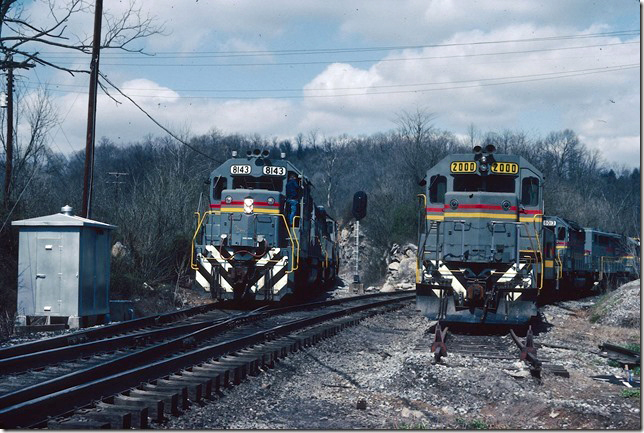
(388, 287)
(519, 374)
(407, 413)
(119, 250)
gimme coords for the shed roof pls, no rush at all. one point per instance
(61, 220)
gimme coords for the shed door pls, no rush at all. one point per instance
(48, 263)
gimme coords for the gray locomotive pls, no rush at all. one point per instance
(245, 248)
(487, 254)
(479, 256)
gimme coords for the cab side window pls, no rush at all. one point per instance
(530, 191)
(561, 234)
(220, 185)
(437, 188)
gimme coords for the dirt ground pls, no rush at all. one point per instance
(377, 375)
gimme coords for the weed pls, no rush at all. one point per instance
(412, 426)
(474, 424)
(631, 393)
(633, 346)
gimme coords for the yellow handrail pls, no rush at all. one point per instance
(291, 237)
(193, 265)
(536, 233)
(424, 199)
(298, 244)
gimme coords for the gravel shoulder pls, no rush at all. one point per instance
(372, 376)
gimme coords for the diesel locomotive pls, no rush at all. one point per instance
(479, 248)
(487, 254)
(254, 244)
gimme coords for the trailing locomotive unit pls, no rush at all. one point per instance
(478, 256)
(245, 247)
(576, 259)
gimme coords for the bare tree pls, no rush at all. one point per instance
(22, 39)
(415, 130)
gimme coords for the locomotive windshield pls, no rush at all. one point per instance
(271, 183)
(489, 183)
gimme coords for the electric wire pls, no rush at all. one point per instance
(310, 51)
(156, 122)
(485, 83)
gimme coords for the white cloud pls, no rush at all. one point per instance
(455, 81)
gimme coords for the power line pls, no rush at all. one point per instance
(258, 90)
(156, 122)
(378, 60)
(311, 51)
(503, 80)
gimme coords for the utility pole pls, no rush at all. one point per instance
(88, 178)
(9, 141)
(116, 181)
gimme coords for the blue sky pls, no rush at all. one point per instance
(278, 68)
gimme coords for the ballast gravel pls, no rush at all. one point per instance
(380, 375)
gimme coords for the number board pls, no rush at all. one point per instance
(240, 169)
(549, 223)
(505, 168)
(462, 167)
(272, 170)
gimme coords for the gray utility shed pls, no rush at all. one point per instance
(63, 270)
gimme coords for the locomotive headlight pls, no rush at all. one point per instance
(228, 199)
(484, 159)
(505, 205)
(270, 200)
(453, 204)
(248, 205)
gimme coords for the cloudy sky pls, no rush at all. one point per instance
(278, 68)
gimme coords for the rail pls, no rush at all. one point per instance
(31, 405)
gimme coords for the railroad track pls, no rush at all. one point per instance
(122, 387)
(505, 346)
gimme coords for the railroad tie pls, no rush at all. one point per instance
(204, 384)
(139, 414)
(170, 400)
(259, 356)
(117, 420)
(195, 390)
(154, 404)
(219, 375)
(237, 368)
(251, 362)
(70, 424)
(181, 390)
